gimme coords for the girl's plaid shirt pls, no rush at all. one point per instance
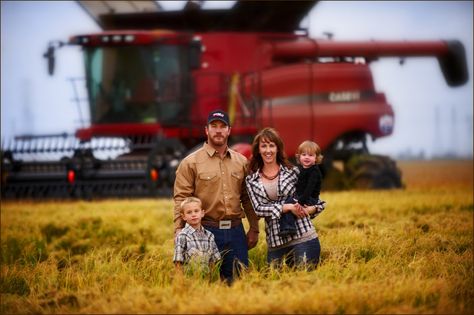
(271, 209)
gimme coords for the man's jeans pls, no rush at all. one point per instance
(303, 254)
(232, 244)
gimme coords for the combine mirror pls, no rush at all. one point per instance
(49, 55)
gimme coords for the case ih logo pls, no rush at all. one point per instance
(347, 96)
(386, 124)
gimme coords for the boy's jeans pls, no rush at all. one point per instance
(232, 244)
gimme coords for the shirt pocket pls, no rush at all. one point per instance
(207, 179)
(239, 176)
(236, 180)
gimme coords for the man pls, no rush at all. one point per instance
(215, 174)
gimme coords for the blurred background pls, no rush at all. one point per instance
(432, 119)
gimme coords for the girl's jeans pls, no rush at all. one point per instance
(303, 254)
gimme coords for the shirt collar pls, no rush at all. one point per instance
(191, 229)
(211, 151)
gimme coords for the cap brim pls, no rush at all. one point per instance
(220, 119)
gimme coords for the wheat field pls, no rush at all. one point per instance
(399, 251)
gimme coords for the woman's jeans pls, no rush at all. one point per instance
(232, 244)
(303, 254)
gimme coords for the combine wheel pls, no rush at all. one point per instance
(372, 172)
(6, 167)
(333, 178)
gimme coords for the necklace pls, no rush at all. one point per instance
(270, 177)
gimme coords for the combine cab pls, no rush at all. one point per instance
(150, 92)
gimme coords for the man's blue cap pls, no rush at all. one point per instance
(218, 115)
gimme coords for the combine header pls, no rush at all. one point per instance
(150, 91)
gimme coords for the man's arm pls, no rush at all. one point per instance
(252, 234)
(183, 187)
(248, 209)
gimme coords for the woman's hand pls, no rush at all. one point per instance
(310, 209)
(296, 209)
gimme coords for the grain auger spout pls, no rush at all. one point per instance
(451, 54)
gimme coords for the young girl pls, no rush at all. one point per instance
(308, 186)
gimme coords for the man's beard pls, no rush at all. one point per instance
(218, 142)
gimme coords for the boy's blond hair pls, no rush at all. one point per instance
(188, 200)
(311, 148)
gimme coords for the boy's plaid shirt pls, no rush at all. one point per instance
(271, 209)
(191, 243)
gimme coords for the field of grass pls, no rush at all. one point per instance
(400, 251)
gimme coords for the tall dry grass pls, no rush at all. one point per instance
(402, 251)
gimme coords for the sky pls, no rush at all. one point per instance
(430, 117)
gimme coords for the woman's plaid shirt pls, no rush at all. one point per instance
(195, 244)
(271, 209)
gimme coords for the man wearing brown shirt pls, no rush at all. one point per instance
(215, 174)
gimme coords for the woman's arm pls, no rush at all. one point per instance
(315, 210)
(262, 206)
(296, 209)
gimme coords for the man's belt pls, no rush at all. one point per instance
(222, 224)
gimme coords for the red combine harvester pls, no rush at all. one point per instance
(150, 91)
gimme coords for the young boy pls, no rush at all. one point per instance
(194, 244)
(308, 186)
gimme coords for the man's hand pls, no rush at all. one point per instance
(252, 239)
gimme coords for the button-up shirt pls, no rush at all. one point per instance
(196, 244)
(271, 210)
(218, 182)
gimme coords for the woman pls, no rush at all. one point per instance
(270, 182)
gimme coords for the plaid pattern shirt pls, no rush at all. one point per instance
(271, 210)
(195, 244)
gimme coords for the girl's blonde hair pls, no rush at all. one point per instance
(188, 200)
(310, 147)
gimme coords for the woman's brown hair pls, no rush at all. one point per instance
(267, 135)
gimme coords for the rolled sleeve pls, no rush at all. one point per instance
(215, 255)
(179, 248)
(272, 210)
(320, 206)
